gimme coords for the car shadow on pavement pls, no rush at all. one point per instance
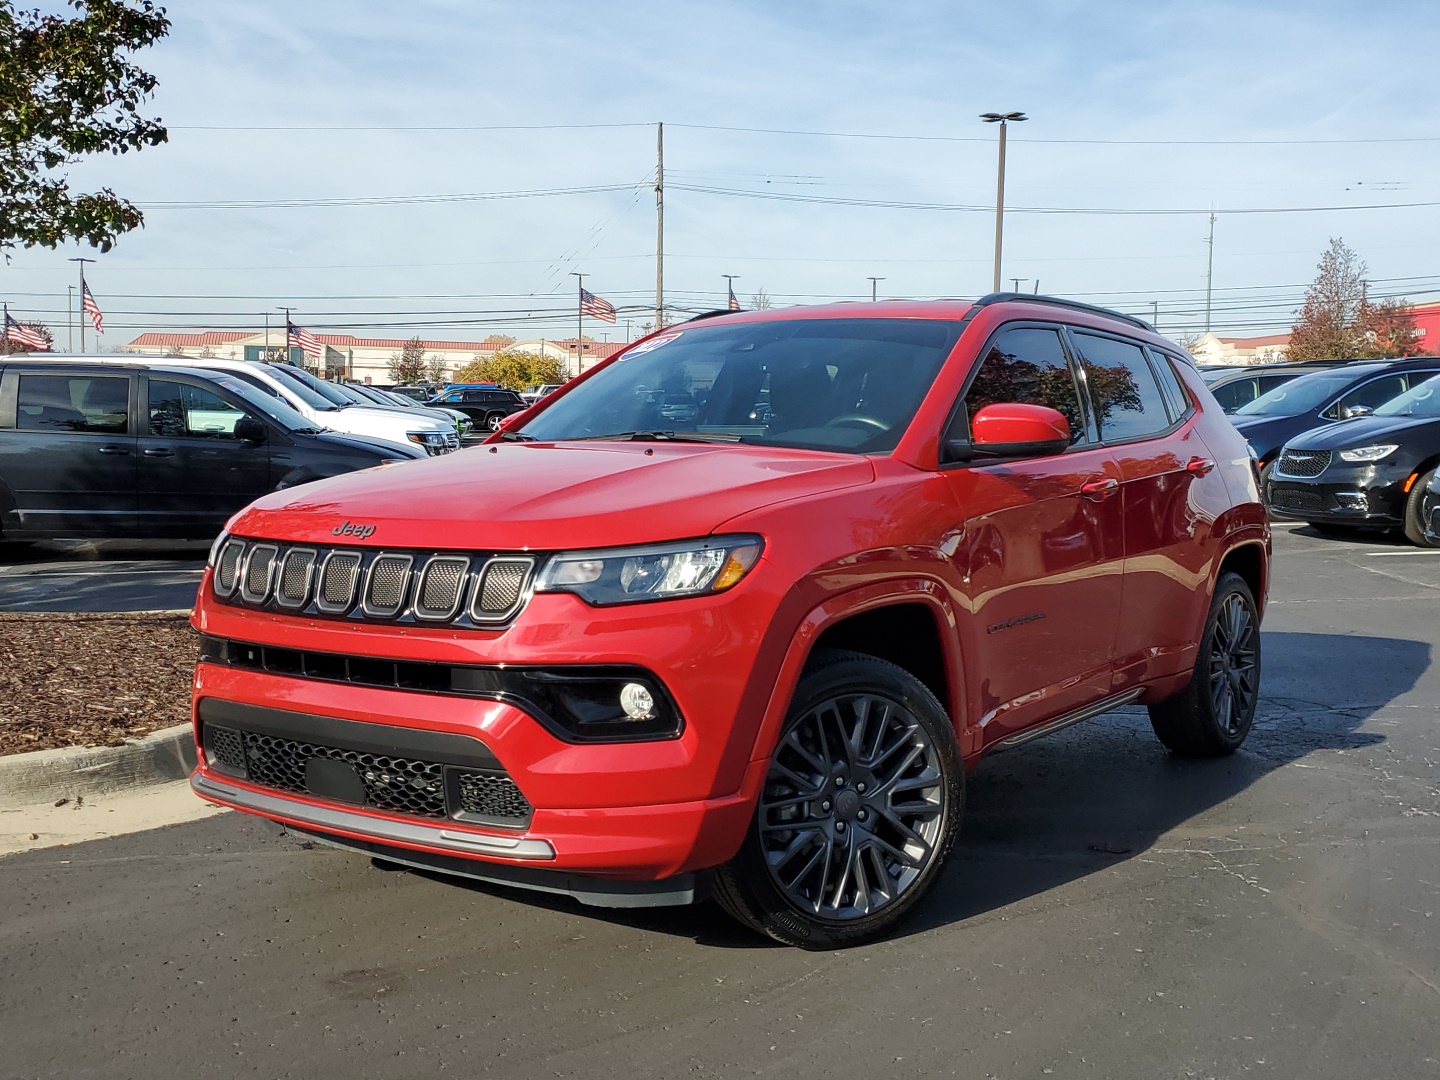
(1095, 794)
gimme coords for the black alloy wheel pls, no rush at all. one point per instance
(1414, 507)
(1213, 714)
(858, 810)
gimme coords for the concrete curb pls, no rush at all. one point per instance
(43, 776)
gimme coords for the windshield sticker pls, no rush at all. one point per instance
(652, 344)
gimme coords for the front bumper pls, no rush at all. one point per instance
(1342, 495)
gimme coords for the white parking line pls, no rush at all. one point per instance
(1430, 552)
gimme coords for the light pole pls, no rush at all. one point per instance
(1002, 119)
(874, 281)
(731, 303)
(1016, 282)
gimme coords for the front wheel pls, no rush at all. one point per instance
(859, 809)
(1212, 716)
(1414, 502)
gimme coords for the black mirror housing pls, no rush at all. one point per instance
(248, 429)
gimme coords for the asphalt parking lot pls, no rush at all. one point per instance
(1110, 912)
(104, 575)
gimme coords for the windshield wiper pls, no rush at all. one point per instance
(660, 436)
(516, 436)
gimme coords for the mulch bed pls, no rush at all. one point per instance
(92, 680)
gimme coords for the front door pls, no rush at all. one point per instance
(1042, 554)
(69, 459)
(193, 472)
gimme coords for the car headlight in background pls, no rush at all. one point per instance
(435, 442)
(652, 572)
(1368, 453)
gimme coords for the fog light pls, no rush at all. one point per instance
(1352, 500)
(637, 701)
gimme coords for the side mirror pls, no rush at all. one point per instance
(1350, 412)
(1010, 429)
(248, 429)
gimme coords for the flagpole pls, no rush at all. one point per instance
(5, 329)
(579, 316)
(82, 263)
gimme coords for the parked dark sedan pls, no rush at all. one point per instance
(1274, 418)
(113, 450)
(1235, 386)
(1370, 472)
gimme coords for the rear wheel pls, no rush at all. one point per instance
(1212, 716)
(858, 812)
(1414, 525)
(493, 421)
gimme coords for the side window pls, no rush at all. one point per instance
(1028, 365)
(1235, 393)
(1123, 390)
(1368, 395)
(97, 404)
(1176, 400)
(178, 410)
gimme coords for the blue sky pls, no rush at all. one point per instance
(1134, 107)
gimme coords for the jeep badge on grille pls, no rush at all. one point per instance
(354, 529)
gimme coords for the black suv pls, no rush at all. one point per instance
(486, 407)
(113, 450)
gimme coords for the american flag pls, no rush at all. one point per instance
(734, 304)
(91, 308)
(590, 304)
(20, 334)
(299, 336)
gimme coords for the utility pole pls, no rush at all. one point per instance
(1002, 119)
(82, 263)
(874, 283)
(579, 316)
(69, 318)
(266, 357)
(1155, 314)
(1209, 269)
(659, 226)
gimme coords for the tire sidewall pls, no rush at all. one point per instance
(1229, 584)
(1415, 528)
(850, 674)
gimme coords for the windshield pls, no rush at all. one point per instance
(1420, 400)
(850, 385)
(1305, 394)
(262, 402)
(299, 389)
(300, 377)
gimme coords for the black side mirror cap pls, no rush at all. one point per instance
(248, 429)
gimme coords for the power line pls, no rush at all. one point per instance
(380, 200)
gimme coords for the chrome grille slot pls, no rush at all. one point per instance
(337, 582)
(441, 587)
(385, 585)
(227, 567)
(501, 589)
(296, 570)
(258, 573)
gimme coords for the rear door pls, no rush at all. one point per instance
(193, 472)
(1146, 423)
(67, 451)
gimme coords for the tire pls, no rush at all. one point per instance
(1414, 527)
(493, 421)
(1212, 716)
(864, 858)
(1265, 471)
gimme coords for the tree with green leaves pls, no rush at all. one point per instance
(8, 346)
(513, 368)
(1338, 321)
(68, 90)
(408, 365)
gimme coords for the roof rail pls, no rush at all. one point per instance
(1076, 305)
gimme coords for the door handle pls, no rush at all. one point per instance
(114, 449)
(159, 451)
(1199, 466)
(1099, 490)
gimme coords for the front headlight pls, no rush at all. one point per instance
(652, 572)
(1368, 453)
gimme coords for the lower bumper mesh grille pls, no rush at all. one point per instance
(393, 783)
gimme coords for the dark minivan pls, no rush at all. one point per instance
(109, 450)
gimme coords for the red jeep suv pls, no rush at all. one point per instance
(733, 613)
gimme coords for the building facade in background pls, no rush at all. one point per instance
(363, 359)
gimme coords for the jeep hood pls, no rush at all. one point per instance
(549, 496)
